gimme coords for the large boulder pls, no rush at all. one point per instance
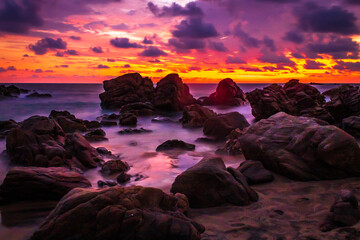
(195, 116)
(175, 144)
(345, 101)
(255, 172)
(6, 126)
(139, 109)
(37, 183)
(128, 88)
(114, 166)
(221, 125)
(352, 125)
(227, 93)
(171, 94)
(294, 98)
(209, 184)
(301, 148)
(136, 213)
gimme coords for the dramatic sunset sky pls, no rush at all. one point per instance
(202, 40)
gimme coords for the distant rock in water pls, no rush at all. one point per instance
(294, 98)
(227, 94)
(171, 94)
(11, 91)
(134, 131)
(39, 95)
(140, 213)
(175, 144)
(37, 183)
(301, 148)
(128, 119)
(128, 88)
(138, 109)
(209, 184)
(194, 116)
(221, 125)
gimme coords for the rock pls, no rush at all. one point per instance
(119, 213)
(352, 125)
(209, 184)
(318, 113)
(139, 109)
(13, 90)
(114, 166)
(293, 98)
(195, 116)
(103, 151)
(108, 123)
(345, 102)
(255, 172)
(103, 184)
(232, 145)
(6, 126)
(39, 95)
(128, 88)
(175, 144)
(128, 119)
(220, 126)
(68, 122)
(54, 114)
(37, 183)
(227, 93)
(123, 178)
(92, 124)
(301, 148)
(96, 135)
(171, 94)
(162, 120)
(134, 131)
(10, 91)
(344, 212)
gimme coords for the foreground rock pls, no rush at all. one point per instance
(6, 126)
(171, 94)
(294, 98)
(344, 212)
(255, 172)
(119, 213)
(36, 183)
(232, 145)
(352, 125)
(96, 135)
(114, 166)
(210, 184)
(194, 116)
(128, 88)
(40, 141)
(301, 148)
(128, 119)
(175, 144)
(138, 109)
(227, 93)
(220, 126)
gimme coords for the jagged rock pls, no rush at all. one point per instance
(119, 213)
(138, 109)
(221, 125)
(195, 116)
(301, 148)
(128, 119)
(209, 184)
(352, 125)
(134, 131)
(227, 93)
(344, 212)
(103, 151)
(96, 135)
(128, 88)
(175, 144)
(255, 172)
(114, 166)
(6, 126)
(171, 94)
(123, 178)
(37, 183)
(232, 145)
(103, 184)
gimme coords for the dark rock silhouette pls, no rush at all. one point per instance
(209, 184)
(39, 95)
(128, 119)
(96, 135)
(352, 125)
(227, 93)
(175, 144)
(6, 126)
(139, 109)
(134, 131)
(114, 166)
(194, 116)
(255, 172)
(301, 148)
(120, 213)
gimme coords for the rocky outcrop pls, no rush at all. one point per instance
(139, 109)
(227, 93)
(40, 141)
(96, 135)
(294, 98)
(175, 144)
(343, 213)
(128, 88)
(194, 116)
(6, 126)
(345, 102)
(127, 119)
(114, 166)
(232, 145)
(11, 91)
(352, 125)
(301, 148)
(134, 131)
(220, 126)
(120, 213)
(209, 184)
(255, 172)
(39, 95)
(171, 94)
(36, 183)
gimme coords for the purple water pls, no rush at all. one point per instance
(159, 169)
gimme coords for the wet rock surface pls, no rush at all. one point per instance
(194, 116)
(209, 184)
(128, 119)
(301, 148)
(37, 183)
(175, 144)
(134, 131)
(255, 172)
(139, 109)
(126, 213)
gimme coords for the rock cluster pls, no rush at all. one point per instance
(194, 116)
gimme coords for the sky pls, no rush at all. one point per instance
(204, 41)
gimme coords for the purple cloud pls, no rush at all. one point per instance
(175, 9)
(194, 28)
(42, 46)
(235, 60)
(101, 66)
(217, 46)
(124, 43)
(152, 52)
(96, 49)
